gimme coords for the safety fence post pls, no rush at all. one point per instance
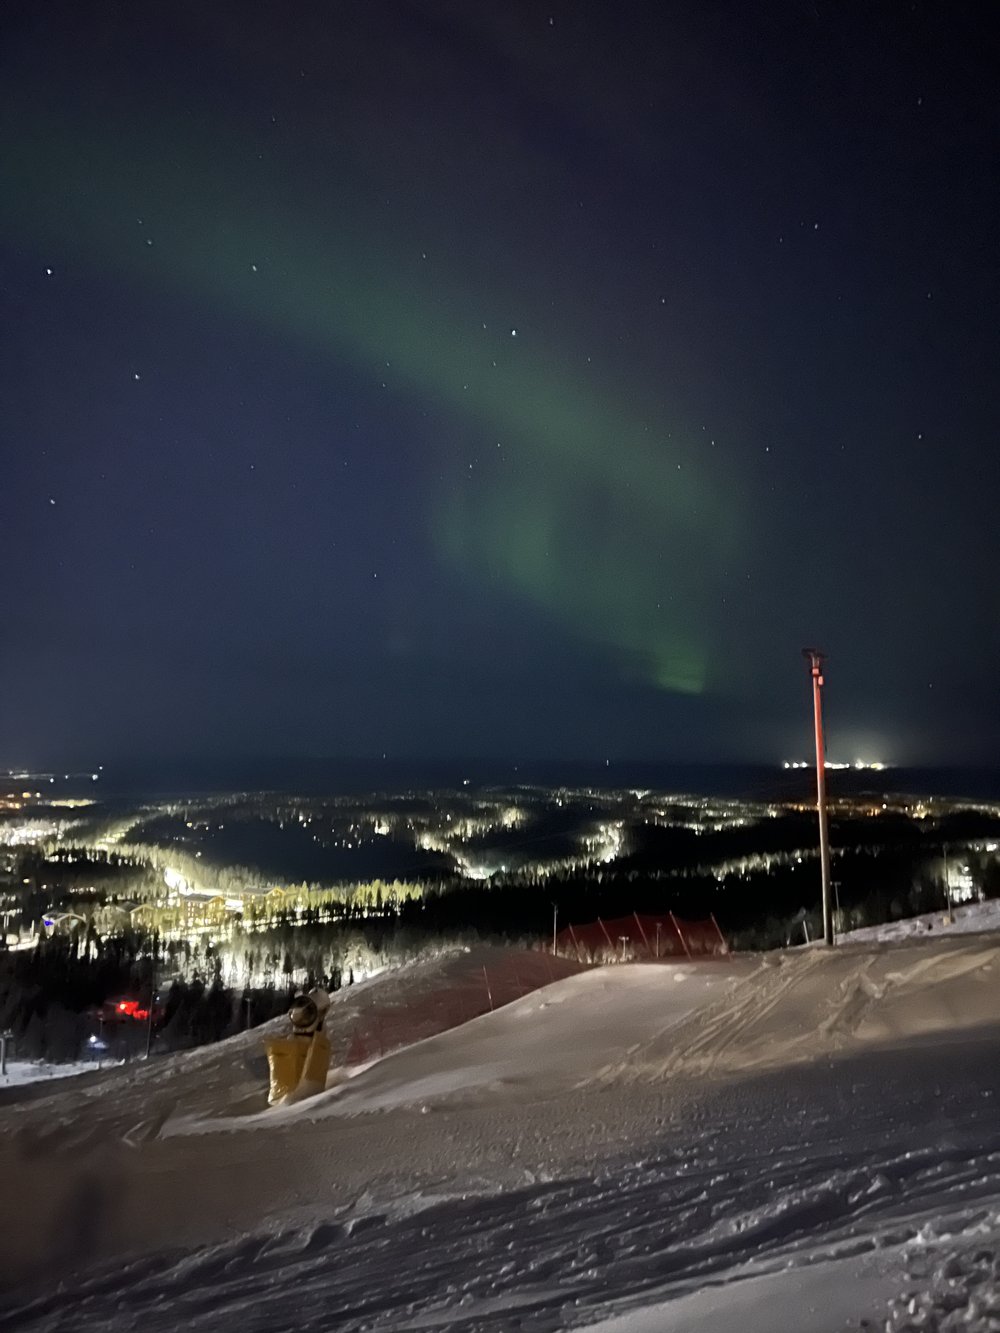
(722, 939)
(680, 933)
(642, 933)
(607, 937)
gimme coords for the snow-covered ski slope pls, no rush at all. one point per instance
(791, 1141)
(19, 1072)
(968, 918)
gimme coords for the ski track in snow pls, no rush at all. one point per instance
(558, 1254)
(665, 1174)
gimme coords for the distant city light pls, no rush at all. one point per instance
(862, 765)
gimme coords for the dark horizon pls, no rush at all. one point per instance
(314, 776)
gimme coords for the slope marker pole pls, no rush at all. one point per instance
(815, 659)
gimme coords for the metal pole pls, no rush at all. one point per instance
(947, 880)
(816, 671)
(555, 926)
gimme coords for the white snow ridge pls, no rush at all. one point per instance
(804, 1141)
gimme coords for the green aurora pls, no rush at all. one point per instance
(588, 511)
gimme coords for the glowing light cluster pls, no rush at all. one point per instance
(606, 843)
(861, 765)
(29, 832)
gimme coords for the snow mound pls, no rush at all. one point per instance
(558, 1038)
(367, 1020)
(808, 1004)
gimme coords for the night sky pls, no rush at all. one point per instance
(481, 378)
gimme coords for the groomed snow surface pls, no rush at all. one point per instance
(806, 1141)
(19, 1072)
(967, 919)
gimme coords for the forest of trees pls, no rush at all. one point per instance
(50, 995)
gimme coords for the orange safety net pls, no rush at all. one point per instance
(644, 938)
(383, 1028)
